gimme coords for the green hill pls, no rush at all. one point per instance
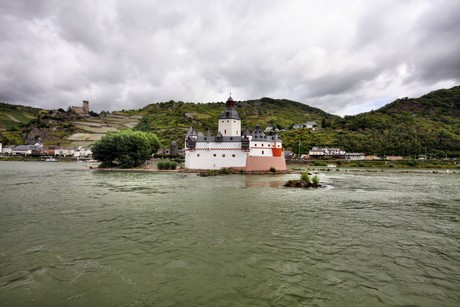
(12, 116)
(429, 124)
(409, 126)
(170, 120)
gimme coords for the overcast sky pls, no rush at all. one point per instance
(344, 57)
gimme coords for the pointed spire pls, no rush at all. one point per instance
(230, 102)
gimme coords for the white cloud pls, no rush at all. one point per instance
(342, 56)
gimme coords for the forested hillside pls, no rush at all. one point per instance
(408, 126)
(170, 120)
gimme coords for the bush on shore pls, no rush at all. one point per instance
(167, 165)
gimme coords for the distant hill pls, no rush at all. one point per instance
(408, 126)
(445, 102)
(11, 116)
(12, 119)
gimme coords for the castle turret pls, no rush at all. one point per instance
(229, 120)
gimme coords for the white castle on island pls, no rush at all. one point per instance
(233, 148)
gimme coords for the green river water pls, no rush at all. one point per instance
(70, 236)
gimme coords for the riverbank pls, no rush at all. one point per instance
(422, 164)
(299, 169)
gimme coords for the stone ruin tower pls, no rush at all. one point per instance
(85, 107)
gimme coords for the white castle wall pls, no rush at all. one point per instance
(215, 158)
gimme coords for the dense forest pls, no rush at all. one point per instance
(429, 125)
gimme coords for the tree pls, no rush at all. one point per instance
(126, 148)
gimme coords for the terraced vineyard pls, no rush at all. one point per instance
(12, 116)
(92, 129)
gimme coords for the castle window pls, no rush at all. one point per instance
(262, 152)
(225, 131)
(222, 122)
(223, 155)
(262, 145)
(228, 121)
(255, 145)
(233, 155)
(197, 155)
(214, 155)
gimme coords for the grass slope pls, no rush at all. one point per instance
(12, 116)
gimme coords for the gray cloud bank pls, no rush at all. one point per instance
(344, 57)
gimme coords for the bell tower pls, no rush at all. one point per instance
(229, 120)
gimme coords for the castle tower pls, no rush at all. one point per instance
(229, 121)
(85, 107)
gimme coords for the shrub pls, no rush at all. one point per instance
(167, 164)
(305, 177)
(161, 164)
(315, 180)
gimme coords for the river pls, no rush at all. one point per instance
(70, 236)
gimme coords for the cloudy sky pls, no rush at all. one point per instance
(344, 57)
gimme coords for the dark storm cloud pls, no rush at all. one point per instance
(341, 56)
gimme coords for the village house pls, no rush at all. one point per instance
(308, 125)
(173, 150)
(82, 152)
(394, 158)
(64, 152)
(7, 150)
(311, 125)
(354, 156)
(27, 150)
(326, 152)
(372, 157)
